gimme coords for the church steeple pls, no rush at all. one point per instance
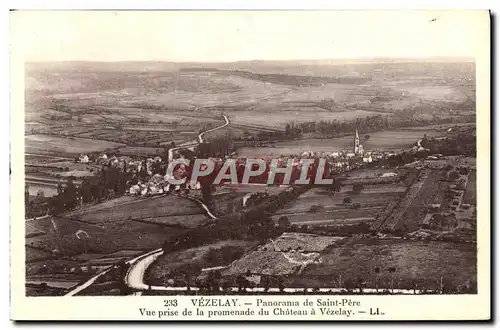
(356, 142)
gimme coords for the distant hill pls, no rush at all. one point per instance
(239, 65)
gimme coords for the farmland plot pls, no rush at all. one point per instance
(61, 236)
(45, 143)
(320, 196)
(431, 192)
(424, 263)
(334, 217)
(159, 207)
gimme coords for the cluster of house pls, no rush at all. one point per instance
(158, 185)
(127, 164)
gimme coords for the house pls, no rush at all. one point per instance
(254, 279)
(84, 159)
(367, 159)
(246, 198)
(135, 190)
(102, 159)
(113, 161)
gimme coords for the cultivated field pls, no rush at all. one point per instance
(165, 210)
(428, 190)
(319, 207)
(50, 144)
(61, 237)
(423, 263)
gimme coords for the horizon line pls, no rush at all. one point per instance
(374, 59)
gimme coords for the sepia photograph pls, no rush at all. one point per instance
(240, 153)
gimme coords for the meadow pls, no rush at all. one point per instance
(51, 144)
(160, 208)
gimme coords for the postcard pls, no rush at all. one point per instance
(250, 165)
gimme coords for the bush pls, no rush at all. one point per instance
(284, 222)
(224, 255)
(357, 187)
(316, 208)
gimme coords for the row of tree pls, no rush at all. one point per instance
(331, 128)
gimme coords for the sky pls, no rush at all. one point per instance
(224, 36)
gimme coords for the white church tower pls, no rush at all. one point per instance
(358, 148)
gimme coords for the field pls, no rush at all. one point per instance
(50, 144)
(131, 212)
(165, 210)
(105, 233)
(61, 236)
(423, 263)
(411, 211)
(49, 190)
(319, 207)
(323, 261)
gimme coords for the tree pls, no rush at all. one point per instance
(367, 136)
(336, 185)
(316, 208)
(40, 197)
(70, 194)
(347, 200)
(453, 176)
(461, 184)
(60, 188)
(357, 187)
(281, 283)
(26, 193)
(241, 282)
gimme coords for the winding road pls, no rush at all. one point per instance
(200, 136)
(200, 139)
